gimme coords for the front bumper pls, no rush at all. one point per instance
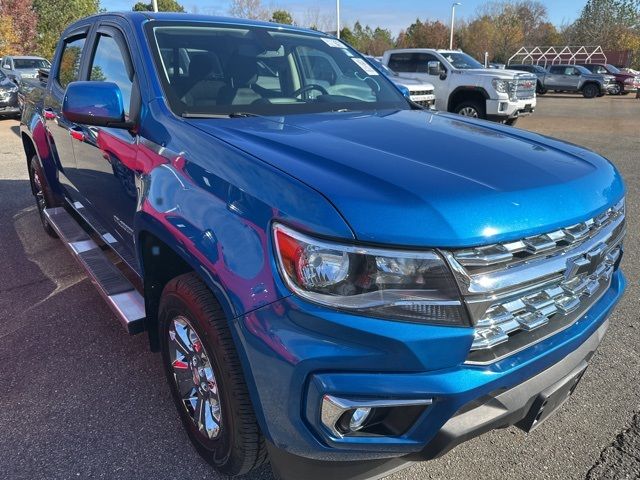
(503, 109)
(296, 352)
(9, 104)
(497, 410)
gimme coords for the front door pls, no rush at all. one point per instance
(106, 157)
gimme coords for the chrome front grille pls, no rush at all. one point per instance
(421, 92)
(526, 88)
(520, 292)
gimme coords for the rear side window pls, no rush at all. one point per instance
(556, 70)
(403, 62)
(109, 65)
(69, 68)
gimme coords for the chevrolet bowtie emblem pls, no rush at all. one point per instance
(585, 264)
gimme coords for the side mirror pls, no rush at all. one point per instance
(433, 67)
(404, 90)
(94, 103)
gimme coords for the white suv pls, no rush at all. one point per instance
(464, 86)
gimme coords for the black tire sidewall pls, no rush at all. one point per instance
(216, 451)
(473, 104)
(49, 198)
(590, 91)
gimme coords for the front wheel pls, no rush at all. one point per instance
(470, 109)
(206, 379)
(617, 89)
(590, 90)
(511, 121)
(42, 193)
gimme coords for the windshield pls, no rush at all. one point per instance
(30, 63)
(613, 69)
(381, 66)
(462, 61)
(213, 69)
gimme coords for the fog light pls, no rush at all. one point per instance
(358, 417)
(503, 106)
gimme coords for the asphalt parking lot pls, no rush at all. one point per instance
(81, 399)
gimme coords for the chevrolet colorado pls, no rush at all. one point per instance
(337, 280)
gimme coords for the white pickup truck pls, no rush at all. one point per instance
(464, 86)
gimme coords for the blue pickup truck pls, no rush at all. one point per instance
(337, 280)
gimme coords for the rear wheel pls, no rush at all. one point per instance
(540, 90)
(590, 90)
(470, 108)
(42, 193)
(205, 378)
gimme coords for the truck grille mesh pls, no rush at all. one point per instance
(526, 88)
(519, 293)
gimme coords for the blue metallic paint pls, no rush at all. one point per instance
(212, 188)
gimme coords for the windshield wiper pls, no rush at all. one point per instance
(218, 115)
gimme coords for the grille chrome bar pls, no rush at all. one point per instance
(503, 253)
(521, 291)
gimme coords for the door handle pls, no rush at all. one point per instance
(76, 134)
(49, 114)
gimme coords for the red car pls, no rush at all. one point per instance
(625, 82)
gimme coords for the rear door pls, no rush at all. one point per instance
(106, 157)
(60, 130)
(572, 78)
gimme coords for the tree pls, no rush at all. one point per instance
(346, 35)
(606, 22)
(427, 34)
(8, 36)
(252, 9)
(282, 16)
(22, 22)
(54, 16)
(163, 6)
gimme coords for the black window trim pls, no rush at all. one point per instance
(81, 32)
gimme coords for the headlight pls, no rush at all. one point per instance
(501, 86)
(630, 80)
(400, 285)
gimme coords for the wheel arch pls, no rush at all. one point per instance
(462, 94)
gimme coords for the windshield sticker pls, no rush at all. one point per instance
(368, 69)
(332, 42)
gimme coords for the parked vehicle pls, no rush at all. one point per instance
(419, 92)
(8, 97)
(624, 82)
(537, 70)
(19, 67)
(574, 78)
(336, 279)
(464, 86)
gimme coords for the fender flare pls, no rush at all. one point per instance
(465, 89)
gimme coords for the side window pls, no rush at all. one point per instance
(556, 70)
(109, 65)
(402, 62)
(69, 67)
(422, 62)
(318, 67)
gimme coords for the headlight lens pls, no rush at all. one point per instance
(501, 86)
(400, 285)
(631, 80)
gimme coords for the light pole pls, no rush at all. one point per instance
(338, 18)
(453, 16)
(155, 5)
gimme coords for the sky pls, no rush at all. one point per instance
(392, 14)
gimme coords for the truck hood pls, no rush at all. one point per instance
(412, 82)
(494, 73)
(430, 179)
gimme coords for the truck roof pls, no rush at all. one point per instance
(139, 17)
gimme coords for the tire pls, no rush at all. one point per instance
(192, 321)
(540, 90)
(42, 193)
(470, 108)
(590, 90)
(511, 121)
(618, 89)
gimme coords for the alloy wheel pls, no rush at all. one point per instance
(194, 377)
(468, 112)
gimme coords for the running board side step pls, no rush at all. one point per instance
(117, 291)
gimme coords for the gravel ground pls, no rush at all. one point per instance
(81, 399)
